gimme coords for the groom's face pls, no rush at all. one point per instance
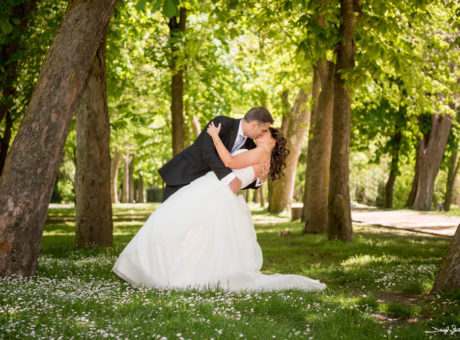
(258, 129)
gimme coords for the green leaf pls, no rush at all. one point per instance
(140, 6)
(6, 26)
(170, 8)
(157, 5)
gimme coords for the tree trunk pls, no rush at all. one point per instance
(449, 273)
(298, 119)
(339, 213)
(454, 165)
(5, 140)
(262, 195)
(452, 172)
(314, 212)
(285, 103)
(131, 180)
(33, 160)
(430, 150)
(114, 176)
(246, 195)
(7, 82)
(196, 126)
(177, 85)
(255, 195)
(93, 203)
(125, 190)
(389, 186)
(141, 196)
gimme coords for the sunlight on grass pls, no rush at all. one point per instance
(377, 288)
(369, 259)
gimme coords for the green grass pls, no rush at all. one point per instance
(377, 288)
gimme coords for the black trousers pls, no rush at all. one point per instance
(171, 189)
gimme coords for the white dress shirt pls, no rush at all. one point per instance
(239, 142)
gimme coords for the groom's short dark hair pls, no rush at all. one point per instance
(259, 114)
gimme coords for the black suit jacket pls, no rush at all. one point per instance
(201, 156)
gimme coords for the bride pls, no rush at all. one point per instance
(203, 235)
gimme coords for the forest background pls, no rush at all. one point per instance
(235, 55)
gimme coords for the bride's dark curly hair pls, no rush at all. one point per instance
(279, 154)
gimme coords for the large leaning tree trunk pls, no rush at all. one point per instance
(339, 214)
(316, 192)
(9, 63)
(297, 123)
(114, 176)
(177, 83)
(93, 201)
(449, 273)
(33, 160)
(430, 150)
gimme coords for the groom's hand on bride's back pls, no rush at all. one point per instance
(235, 185)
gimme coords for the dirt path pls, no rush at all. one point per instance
(422, 222)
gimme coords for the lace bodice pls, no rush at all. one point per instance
(246, 175)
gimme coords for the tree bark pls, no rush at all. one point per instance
(7, 82)
(196, 126)
(269, 188)
(262, 195)
(114, 176)
(33, 160)
(316, 191)
(246, 195)
(314, 213)
(449, 273)
(452, 172)
(125, 190)
(140, 196)
(177, 85)
(255, 196)
(131, 180)
(454, 165)
(93, 203)
(389, 186)
(297, 121)
(285, 103)
(339, 213)
(5, 140)
(430, 150)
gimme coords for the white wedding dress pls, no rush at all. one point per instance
(203, 237)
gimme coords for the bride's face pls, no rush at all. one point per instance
(266, 139)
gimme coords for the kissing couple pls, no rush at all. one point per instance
(202, 236)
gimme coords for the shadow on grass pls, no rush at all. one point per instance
(378, 281)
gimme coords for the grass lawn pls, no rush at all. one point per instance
(378, 288)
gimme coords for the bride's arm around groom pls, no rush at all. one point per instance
(201, 157)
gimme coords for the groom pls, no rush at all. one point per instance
(201, 156)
